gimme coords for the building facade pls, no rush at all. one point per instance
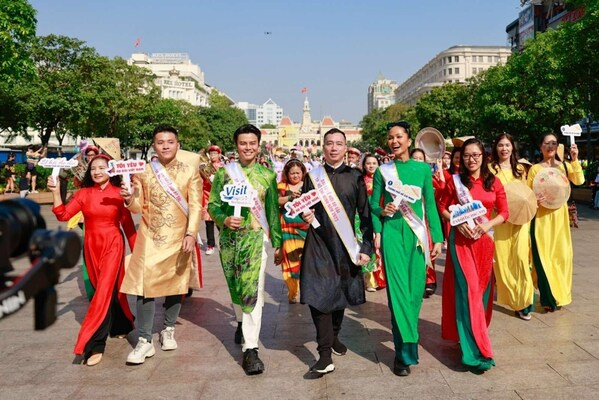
(267, 113)
(308, 133)
(454, 65)
(176, 76)
(381, 93)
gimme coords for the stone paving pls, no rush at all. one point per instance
(553, 356)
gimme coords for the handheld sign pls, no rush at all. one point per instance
(401, 192)
(56, 164)
(302, 204)
(572, 131)
(238, 196)
(460, 213)
(126, 168)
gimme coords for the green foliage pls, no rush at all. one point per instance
(268, 126)
(374, 124)
(222, 121)
(17, 32)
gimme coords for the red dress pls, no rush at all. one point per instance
(104, 252)
(475, 263)
(379, 270)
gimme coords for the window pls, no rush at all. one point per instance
(480, 59)
(449, 73)
(456, 70)
(496, 59)
(456, 58)
(444, 72)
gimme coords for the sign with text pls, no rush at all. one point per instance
(302, 204)
(126, 168)
(238, 196)
(403, 192)
(460, 213)
(571, 131)
(57, 163)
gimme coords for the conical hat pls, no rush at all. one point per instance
(459, 141)
(521, 202)
(190, 158)
(553, 185)
(110, 146)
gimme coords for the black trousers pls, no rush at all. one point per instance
(327, 326)
(115, 323)
(210, 233)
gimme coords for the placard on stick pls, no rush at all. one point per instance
(401, 192)
(460, 213)
(572, 131)
(238, 196)
(56, 164)
(303, 203)
(126, 168)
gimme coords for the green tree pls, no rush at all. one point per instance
(268, 126)
(447, 108)
(374, 124)
(17, 33)
(222, 122)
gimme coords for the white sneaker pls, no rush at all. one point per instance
(143, 350)
(167, 338)
(210, 250)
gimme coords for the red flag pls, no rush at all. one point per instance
(304, 90)
(137, 42)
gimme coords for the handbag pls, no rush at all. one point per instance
(572, 209)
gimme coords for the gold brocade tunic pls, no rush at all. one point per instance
(158, 266)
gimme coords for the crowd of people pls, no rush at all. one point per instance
(376, 226)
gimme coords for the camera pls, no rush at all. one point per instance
(23, 231)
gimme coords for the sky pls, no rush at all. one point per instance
(335, 48)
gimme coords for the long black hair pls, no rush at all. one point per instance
(451, 168)
(366, 157)
(87, 179)
(517, 172)
(486, 175)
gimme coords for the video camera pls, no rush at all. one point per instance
(22, 230)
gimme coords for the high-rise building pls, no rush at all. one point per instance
(456, 64)
(267, 113)
(176, 76)
(381, 93)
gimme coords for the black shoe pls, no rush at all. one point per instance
(399, 369)
(430, 289)
(252, 365)
(339, 349)
(324, 365)
(238, 334)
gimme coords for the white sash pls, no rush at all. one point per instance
(258, 211)
(417, 225)
(334, 209)
(464, 197)
(169, 186)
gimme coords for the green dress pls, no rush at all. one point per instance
(241, 250)
(405, 268)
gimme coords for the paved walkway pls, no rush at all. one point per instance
(552, 356)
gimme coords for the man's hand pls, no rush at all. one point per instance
(189, 243)
(363, 259)
(308, 216)
(233, 223)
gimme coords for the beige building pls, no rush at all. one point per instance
(307, 133)
(381, 93)
(456, 64)
(176, 76)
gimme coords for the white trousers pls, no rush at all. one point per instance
(251, 322)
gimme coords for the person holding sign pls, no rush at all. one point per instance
(169, 195)
(552, 251)
(512, 266)
(294, 228)
(468, 280)
(331, 274)
(245, 231)
(104, 251)
(404, 237)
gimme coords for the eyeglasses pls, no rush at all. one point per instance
(550, 144)
(473, 156)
